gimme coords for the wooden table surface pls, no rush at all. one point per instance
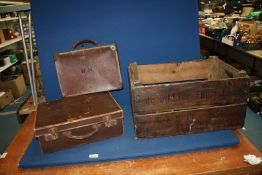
(220, 161)
(257, 53)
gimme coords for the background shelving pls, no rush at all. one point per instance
(10, 42)
(10, 19)
(7, 66)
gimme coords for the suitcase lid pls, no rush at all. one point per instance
(88, 70)
(74, 112)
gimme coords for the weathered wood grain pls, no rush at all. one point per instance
(163, 91)
(170, 72)
(190, 121)
(176, 96)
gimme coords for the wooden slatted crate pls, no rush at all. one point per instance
(187, 97)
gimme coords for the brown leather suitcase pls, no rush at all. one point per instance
(74, 121)
(79, 118)
(88, 70)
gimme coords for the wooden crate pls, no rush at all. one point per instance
(187, 97)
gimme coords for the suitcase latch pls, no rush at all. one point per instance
(52, 134)
(109, 121)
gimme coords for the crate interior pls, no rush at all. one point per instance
(189, 71)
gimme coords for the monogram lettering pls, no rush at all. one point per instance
(85, 70)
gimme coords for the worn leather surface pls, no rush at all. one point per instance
(88, 70)
(96, 114)
(72, 109)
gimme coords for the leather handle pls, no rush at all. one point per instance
(82, 42)
(69, 134)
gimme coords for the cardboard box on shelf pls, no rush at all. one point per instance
(2, 37)
(8, 34)
(253, 27)
(6, 97)
(227, 41)
(16, 83)
(25, 70)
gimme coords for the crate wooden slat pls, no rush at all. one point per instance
(190, 121)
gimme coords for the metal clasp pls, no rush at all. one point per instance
(113, 47)
(109, 121)
(52, 134)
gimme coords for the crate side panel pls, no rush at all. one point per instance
(164, 97)
(190, 121)
(228, 71)
(171, 72)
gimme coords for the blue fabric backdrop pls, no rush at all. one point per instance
(146, 31)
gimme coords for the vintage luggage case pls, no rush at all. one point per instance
(77, 120)
(187, 97)
(88, 70)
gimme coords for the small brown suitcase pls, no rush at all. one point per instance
(78, 120)
(88, 70)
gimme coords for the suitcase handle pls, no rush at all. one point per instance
(69, 134)
(82, 42)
